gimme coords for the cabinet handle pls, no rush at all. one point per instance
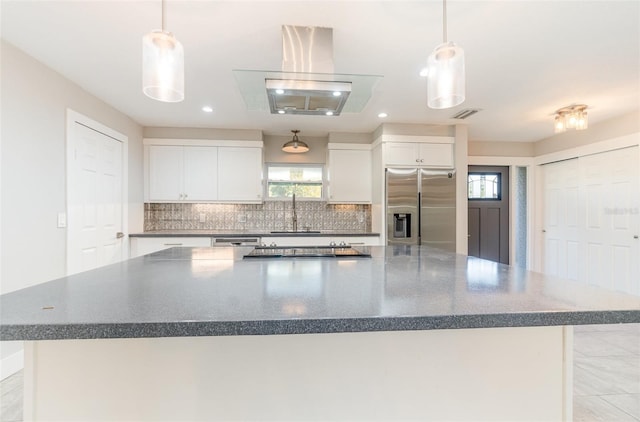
(417, 160)
(185, 196)
(422, 160)
(173, 244)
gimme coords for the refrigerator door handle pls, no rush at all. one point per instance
(418, 236)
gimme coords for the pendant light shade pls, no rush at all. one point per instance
(295, 146)
(446, 78)
(446, 73)
(162, 66)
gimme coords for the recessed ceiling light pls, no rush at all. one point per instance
(280, 91)
(329, 113)
(280, 111)
(337, 93)
(382, 115)
(207, 109)
(424, 72)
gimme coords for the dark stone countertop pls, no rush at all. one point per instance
(249, 233)
(214, 292)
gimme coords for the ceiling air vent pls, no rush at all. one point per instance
(463, 114)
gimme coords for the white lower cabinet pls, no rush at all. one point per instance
(145, 245)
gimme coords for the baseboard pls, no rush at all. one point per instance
(11, 364)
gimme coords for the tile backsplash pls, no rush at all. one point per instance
(270, 215)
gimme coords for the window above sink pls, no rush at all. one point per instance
(306, 181)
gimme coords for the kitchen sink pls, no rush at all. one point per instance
(294, 231)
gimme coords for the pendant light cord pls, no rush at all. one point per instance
(162, 16)
(444, 21)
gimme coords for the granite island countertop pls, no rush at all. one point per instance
(215, 292)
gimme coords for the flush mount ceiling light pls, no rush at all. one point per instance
(571, 117)
(295, 145)
(162, 65)
(445, 72)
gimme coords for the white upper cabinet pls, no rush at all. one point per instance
(206, 171)
(240, 174)
(179, 173)
(349, 174)
(420, 154)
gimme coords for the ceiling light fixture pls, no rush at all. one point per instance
(446, 76)
(382, 115)
(295, 145)
(571, 117)
(207, 109)
(162, 65)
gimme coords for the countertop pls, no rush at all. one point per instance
(248, 233)
(214, 292)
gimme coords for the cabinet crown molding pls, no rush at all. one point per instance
(202, 142)
(418, 139)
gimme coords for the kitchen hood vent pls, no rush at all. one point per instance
(306, 85)
(307, 97)
(463, 114)
(307, 49)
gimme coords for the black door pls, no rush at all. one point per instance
(488, 202)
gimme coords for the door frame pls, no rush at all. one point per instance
(72, 118)
(513, 163)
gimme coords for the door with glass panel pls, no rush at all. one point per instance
(488, 206)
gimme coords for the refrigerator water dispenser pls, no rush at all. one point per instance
(402, 225)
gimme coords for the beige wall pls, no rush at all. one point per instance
(34, 100)
(413, 129)
(610, 129)
(500, 149)
(202, 133)
(273, 153)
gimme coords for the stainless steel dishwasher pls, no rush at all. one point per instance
(236, 241)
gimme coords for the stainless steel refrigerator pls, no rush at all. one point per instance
(421, 207)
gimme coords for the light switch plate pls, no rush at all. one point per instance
(62, 220)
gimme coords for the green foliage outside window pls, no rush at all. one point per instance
(304, 181)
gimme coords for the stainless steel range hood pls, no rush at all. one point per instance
(307, 49)
(306, 85)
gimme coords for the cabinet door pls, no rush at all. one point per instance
(402, 154)
(165, 173)
(200, 174)
(350, 176)
(146, 245)
(240, 174)
(436, 155)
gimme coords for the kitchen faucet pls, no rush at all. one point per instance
(294, 216)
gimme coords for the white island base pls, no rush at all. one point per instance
(470, 374)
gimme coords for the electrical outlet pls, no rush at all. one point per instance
(62, 220)
(203, 217)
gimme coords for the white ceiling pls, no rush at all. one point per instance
(524, 59)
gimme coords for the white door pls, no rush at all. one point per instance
(591, 219)
(94, 199)
(561, 222)
(612, 196)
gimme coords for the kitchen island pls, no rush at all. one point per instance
(202, 334)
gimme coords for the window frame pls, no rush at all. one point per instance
(323, 181)
(486, 173)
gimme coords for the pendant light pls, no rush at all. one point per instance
(445, 78)
(162, 65)
(295, 145)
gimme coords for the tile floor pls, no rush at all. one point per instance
(606, 376)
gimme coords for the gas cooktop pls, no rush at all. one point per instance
(306, 251)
